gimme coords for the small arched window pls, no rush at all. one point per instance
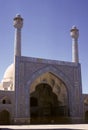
(6, 100)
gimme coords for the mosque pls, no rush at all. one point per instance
(42, 91)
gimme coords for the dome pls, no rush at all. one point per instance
(8, 75)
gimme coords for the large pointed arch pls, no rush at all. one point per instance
(5, 117)
(54, 71)
(59, 74)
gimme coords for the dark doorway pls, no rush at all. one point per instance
(86, 117)
(33, 102)
(4, 117)
(45, 107)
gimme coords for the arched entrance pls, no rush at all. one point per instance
(4, 117)
(48, 100)
(43, 103)
(61, 86)
(86, 117)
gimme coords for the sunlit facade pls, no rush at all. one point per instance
(42, 91)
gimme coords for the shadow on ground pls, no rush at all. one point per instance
(6, 129)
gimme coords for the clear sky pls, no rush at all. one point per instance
(46, 31)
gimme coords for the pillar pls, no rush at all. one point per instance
(18, 24)
(74, 32)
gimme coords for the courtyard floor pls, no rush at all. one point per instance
(45, 127)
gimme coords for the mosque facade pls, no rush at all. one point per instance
(42, 91)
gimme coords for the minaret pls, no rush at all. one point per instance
(74, 32)
(18, 24)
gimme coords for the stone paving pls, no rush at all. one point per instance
(45, 127)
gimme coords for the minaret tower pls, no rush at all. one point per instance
(18, 24)
(74, 32)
